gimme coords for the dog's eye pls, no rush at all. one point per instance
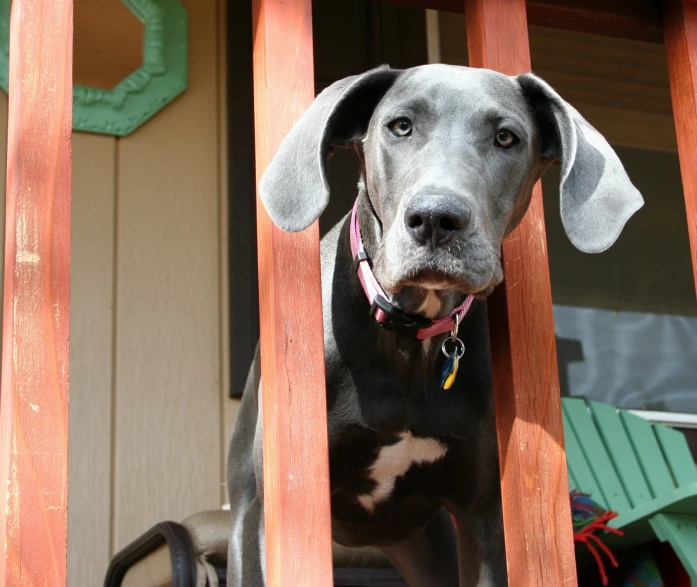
(400, 127)
(505, 138)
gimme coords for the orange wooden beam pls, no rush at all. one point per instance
(296, 465)
(680, 26)
(535, 492)
(34, 396)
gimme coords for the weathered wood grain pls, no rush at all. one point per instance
(34, 397)
(536, 511)
(296, 470)
(680, 25)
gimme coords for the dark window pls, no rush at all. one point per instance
(626, 319)
(244, 305)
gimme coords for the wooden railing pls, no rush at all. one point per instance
(34, 400)
(534, 486)
(680, 30)
(296, 464)
(33, 405)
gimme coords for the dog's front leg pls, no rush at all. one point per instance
(247, 548)
(429, 557)
(481, 550)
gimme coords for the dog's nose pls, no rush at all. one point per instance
(436, 218)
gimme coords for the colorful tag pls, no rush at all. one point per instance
(449, 372)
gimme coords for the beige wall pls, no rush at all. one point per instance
(149, 417)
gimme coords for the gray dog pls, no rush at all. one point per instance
(449, 157)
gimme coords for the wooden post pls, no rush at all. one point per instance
(34, 400)
(296, 464)
(535, 492)
(680, 29)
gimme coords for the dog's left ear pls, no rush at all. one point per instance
(597, 196)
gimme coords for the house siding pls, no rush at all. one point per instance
(149, 414)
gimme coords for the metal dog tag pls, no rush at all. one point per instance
(449, 371)
(452, 359)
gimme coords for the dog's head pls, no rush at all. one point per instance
(450, 157)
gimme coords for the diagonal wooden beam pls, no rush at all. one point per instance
(296, 465)
(680, 23)
(34, 396)
(535, 492)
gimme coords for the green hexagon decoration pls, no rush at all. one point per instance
(143, 93)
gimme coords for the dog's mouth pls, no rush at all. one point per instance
(432, 279)
(470, 267)
(438, 281)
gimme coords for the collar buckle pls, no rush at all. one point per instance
(396, 319)
(359, 258)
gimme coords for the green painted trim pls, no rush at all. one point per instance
(161, 78)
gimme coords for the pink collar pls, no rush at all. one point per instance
(385, 313)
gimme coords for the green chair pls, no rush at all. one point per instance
(645, 472)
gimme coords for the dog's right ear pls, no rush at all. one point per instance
(294, 187)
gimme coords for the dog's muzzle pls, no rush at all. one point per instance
(382, 310)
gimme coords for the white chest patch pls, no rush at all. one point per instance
(395, 460)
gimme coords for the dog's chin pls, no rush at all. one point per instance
(434, 280)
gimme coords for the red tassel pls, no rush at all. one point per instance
(585, 535)
(598, 560)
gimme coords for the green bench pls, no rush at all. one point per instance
(643, 471)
